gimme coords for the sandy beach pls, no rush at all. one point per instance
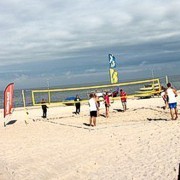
(141, 143)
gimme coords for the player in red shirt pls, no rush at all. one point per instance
(123, 97)
(107, 104)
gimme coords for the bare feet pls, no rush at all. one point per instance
(174, 118)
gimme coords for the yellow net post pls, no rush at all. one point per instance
(33, 98)
(49, 96)
(25, 109)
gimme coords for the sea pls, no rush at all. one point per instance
(62, 96)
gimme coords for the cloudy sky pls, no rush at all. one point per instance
(68, 42)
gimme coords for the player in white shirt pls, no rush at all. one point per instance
(93, 110)
(172, 101)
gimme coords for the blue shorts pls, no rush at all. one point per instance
(172, 105)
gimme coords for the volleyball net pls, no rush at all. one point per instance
(65, 96)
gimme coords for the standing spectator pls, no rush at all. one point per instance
(164, 97)
(77, 104)
(93, 109)
(172, 102)
(98, 103)
(123, 97)
(107, 104)
(44, 108)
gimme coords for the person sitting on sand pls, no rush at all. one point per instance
(172, 101)
(93, 110)
(123, 97)
(77, 104)
(44, 108)
(107, 104)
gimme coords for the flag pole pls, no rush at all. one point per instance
(109, 68)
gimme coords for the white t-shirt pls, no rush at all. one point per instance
(92, 105)
(171, 96)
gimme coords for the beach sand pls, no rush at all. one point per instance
(140, 144)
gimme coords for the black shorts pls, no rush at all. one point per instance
(107, 105)
(93, 113)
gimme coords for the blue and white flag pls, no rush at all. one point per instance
(112, 61)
